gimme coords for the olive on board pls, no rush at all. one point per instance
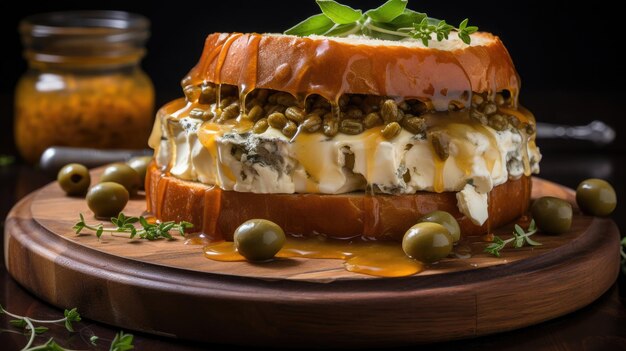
(427, 242)
(259, 239)
(445, 219)
(140, 165)
(107, 199)
(74, 179)
(596, 197)
(552, 215)
(124, 175)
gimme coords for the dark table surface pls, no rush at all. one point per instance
(599, 326)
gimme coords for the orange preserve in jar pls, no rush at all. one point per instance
(84, 86)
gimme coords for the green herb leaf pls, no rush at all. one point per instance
(48, 346)
(464, 37)
(99, 231)
(18, 323)
(40, 330)
(122, 342)
(343, 30)
(390, 21)
(94, 340)
(471, 29)
(407, 18)
(519, 239)
(318, 24)
(387, 11)
(70, 317)
(338, 13)
(463, 24)
(143, 222)
(531, 242)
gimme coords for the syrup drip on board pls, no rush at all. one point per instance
(382, 259)
(375, 258)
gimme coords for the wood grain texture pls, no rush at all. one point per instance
(168, 288)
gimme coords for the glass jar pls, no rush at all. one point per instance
(84, 86)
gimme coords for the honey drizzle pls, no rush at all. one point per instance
(224, 48)
(248, 74)
(212, 208)
(417, 73)
(382, 259)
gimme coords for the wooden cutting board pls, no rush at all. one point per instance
(169, 288)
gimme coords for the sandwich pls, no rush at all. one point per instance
(344, 137)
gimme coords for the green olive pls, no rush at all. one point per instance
(140, 165)
(596, 197)
(552, 215)
(74, 179)
(427, 242)
(122, 174)
(107, 199)
(259, 239)
(445, 219)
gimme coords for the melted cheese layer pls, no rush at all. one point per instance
(479, 158)
(313, 163)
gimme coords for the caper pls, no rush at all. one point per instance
(277, 120)
(415, 125)
(74, 179)
(479, 116)
(295, 114)
(445, 219)
(122, 174)
(351, 126)
(259, 239)
(255, 113)
(312, 123)
(260, 126)
(354, 113)
(331, 126)
(107, 199)
(140, 165)
(391, 130)
(372, 119)
(490, 109)
(427, 242)
(441, 145)
(552, 215)
(230, 112)
(290, 129)
(498, 122)
(596, 197)
(389, 111)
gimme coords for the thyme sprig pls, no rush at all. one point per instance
(125, 224)
(519, 239)
(121, 342)
(391, 21)
(27, 323)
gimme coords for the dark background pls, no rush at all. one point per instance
(564, 53)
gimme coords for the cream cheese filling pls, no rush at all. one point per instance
(479, 159)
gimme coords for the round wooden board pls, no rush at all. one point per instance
(168, 288)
